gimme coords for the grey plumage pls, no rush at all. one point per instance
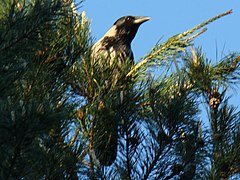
(113, 51)
(117, 41)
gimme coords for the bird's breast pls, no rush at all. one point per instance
(109, 49)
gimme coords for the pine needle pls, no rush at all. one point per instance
(172, 41)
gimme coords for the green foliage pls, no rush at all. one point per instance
(57, 107)
(36, 49)
(213, 81)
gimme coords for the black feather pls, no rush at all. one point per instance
(114, 46)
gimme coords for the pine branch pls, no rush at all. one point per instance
(91, 149)
(158, 155)
(129, 168)
(89, 80)
(152, 165)
(204, 24)
(176, 40)
(16, 153)
(75, 136)
(195, 35)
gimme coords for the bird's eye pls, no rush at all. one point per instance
(128, 18)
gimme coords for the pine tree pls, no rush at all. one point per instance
(38, 45)
(215, 80)
(52, 97)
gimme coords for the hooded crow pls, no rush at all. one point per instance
(116, 43)
(112, 52)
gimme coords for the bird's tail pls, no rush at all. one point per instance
(105, 139)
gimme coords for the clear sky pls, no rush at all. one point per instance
(169, 18)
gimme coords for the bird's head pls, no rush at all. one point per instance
(125, 28)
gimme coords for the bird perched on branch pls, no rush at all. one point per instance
(112, 52)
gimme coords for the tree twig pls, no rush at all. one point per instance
(75, 136)
(177, 38)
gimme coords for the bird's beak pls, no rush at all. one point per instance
(141, 19)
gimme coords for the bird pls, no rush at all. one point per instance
(117, 41)
(111, 53)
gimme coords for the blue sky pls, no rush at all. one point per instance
(169, 18)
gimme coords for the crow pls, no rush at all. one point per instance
(112, 52)
(116, 43)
